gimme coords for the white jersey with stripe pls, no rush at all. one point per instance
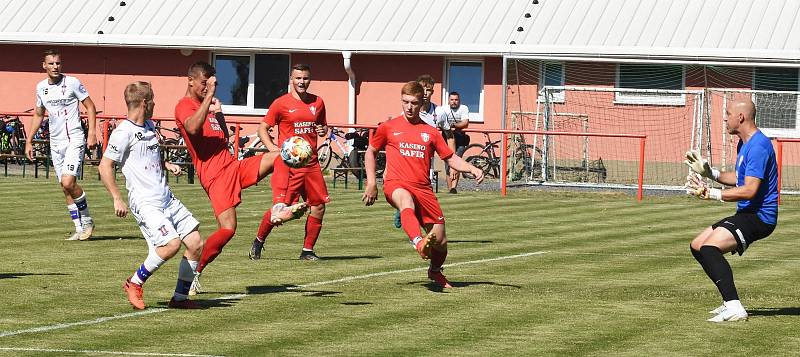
(62, 100)
(137, 151)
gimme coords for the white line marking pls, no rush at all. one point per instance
(79, 323)
(15, 349)
(239, 296)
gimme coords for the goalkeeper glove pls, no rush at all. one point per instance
(700, 165)
(695, 186)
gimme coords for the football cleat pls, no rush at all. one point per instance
(255, 250)
(88, 229)
(423, 245)
(719, 309)
(439, 278)
(183, 304)
(135, 294)
(195, 288)
(730, 315)
(308, 255)
(74, 236)
(281, 213)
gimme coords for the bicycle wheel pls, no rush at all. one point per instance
(481, 162)
(324, 156)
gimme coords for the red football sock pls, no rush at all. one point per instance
(438, 257)
(410, 223)
(265, 226)
(213, 246)
(313, 226)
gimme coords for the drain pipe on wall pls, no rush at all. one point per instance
(351, 88)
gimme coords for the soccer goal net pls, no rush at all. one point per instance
(672, 120)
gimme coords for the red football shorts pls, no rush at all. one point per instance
(306, 182)
(225, 190)
(426, 206)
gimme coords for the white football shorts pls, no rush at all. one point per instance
(67, 157)
(159, 225)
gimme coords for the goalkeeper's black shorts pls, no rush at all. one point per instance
(746, 228)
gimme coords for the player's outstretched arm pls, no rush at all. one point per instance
(38, 115)
(106, 169)
(91, 114)
(460, 165)
(371, 189)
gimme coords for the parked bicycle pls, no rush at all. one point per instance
(348, 156)
(172, 144)
(12, 137)
(485, 157)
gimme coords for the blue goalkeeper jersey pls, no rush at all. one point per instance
(756, 158)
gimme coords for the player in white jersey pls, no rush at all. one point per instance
(163, 219)
(59, 95)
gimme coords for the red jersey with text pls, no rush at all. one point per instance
(295, 117)
(409, 149)
(209, 147)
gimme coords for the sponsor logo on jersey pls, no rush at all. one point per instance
(396, 133)
(292, 110)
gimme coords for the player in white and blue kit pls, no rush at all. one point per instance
(59, 95)
(163, 219)
(756, 194)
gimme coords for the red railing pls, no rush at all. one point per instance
(106, 119)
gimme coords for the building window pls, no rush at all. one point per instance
(466, 78)
(551, 74)
(776, 100)
(249, 83)
(652, 84)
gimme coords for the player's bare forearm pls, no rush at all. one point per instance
(91, 114)
(727, 178)
(458, 164)
(36, 123)
(194, 123)
(106, 168)
(745, 192)
(263, 134)
(369, 164)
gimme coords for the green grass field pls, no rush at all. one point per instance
(535, 273)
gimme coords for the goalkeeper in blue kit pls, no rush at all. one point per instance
(754, 186)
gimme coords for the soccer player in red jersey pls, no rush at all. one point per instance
(410, 143)
(223, 177)
(302, 114)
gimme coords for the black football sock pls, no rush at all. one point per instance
(720, 272)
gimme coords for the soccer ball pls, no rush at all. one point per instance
(296, 152)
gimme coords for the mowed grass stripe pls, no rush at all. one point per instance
(624, 284)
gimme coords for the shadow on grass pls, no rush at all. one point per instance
(469, 241)
(206, 304)
(94, 238)
(19, 275)
(273, 289)
(339, 257)
(459, 284)
(778, 311)
(356, 303)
